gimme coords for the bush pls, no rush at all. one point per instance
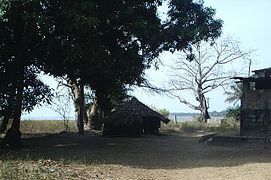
(230, 123)
(233, 112)
(171, 127)
(164, 112)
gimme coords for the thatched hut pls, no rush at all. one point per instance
(132, 118)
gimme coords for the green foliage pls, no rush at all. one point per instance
(235, 94)
(233, 112)
(164, 112)
(20, 58)
(230, 123)
(190, 22)
(123, 39)
(114, 34)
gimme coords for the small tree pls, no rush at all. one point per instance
(233, 112)
(164, 112)
(235, 94)
(203, 68)
(61, 104)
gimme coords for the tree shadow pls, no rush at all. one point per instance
(171, 151)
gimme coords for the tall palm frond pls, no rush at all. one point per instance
(235, 93)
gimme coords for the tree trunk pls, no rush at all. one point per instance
(204, 109)
(6, 118)
(203, 106)
(13, 135)
(77, 99)
(7, 112)
(84, 109)
(24, 37)
(205, 113)
(80, 106)
(94, 116)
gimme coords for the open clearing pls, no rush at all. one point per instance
(169, 156)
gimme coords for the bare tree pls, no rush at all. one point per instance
(205, 67)
(77, 95)
(61, 104)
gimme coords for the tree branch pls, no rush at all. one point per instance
(183, 101)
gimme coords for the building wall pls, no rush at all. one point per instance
(256, 113)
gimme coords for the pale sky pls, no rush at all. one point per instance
(246, 20)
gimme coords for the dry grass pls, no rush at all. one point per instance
(196, 126)
(45, 126)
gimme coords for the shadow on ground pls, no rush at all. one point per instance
(168, 151)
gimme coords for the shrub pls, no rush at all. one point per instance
(164, 112)
(233, 112)
(230, 123)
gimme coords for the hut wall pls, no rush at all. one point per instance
(151, 125)
(256, 113)
(132, 130)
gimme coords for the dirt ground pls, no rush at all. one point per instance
(168, 156)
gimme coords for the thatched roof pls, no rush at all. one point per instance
(131, 111)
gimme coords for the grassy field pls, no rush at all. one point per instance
(57, 126)
(45, 126)
(49, 154)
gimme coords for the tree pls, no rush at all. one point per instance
(61, 104)
(141, 36)
(234, 96)
(203, 68)
(190, 22)
(116, 41)
(20, 62)
(68, 44)
(115, 44)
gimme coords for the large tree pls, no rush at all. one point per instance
(141, 36)
(205, 67)
(107, 48)
(20, 62)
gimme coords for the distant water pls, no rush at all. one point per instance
(181, 118)
(39, 118)
(171, 117)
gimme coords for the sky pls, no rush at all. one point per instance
(245, 20)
